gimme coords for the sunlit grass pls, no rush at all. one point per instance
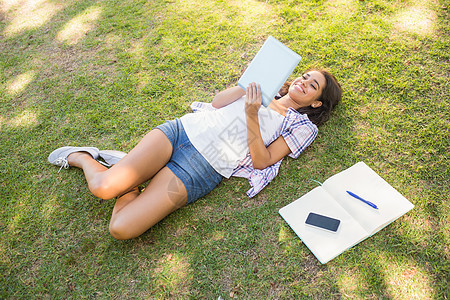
(79, 26)
(27, 14)
(352, 284)
(405, 279)
(173, 275)
(342, 7)
(418, 19)
(284, 234)
(19, 83)
(25, 119)
(255, 14)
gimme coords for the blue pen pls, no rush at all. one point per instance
(365, 201)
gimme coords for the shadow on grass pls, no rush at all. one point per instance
(105, 72)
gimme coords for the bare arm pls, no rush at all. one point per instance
(227, 96)
(262, 157)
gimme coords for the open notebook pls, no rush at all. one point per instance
(358, 220)
(271, 67)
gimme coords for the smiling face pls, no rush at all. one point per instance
(305, 90)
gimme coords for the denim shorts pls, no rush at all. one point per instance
(198, 176)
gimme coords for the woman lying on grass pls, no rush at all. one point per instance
(187, 157)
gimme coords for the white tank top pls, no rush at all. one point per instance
(221, 135)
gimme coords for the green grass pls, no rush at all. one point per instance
(104, 73)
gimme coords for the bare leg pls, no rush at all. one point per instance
(134, 214)
(141, 164)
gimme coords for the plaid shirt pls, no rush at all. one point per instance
(296, 129)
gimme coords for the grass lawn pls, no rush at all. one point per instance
(103, 73)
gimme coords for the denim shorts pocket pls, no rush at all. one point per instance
(197, 175)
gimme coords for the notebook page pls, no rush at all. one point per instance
(364, 182)
(325, 245)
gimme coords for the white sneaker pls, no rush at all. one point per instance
(59, 156)
(111, 157)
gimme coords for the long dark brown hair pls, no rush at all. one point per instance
(330, 97)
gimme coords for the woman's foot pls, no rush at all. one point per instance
(111, 157)
(60, 155)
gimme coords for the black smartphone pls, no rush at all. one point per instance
(323, 222)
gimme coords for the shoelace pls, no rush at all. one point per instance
(65, 164)
(62, 161)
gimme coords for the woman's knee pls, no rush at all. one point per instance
(121, 230)
(103, 188)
